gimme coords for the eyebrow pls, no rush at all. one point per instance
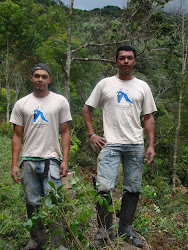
(40, 75)
(126, 56)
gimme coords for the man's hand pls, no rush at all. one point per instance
(98, 141)
(64, 169)
(16, 174)
(150, 155)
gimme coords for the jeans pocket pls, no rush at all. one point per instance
(54, 170)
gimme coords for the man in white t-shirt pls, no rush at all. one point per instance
(123, 99)
(37, 119)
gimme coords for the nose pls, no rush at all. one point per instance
(40, 78)
(126, 60)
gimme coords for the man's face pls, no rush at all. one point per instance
(41, 79)
(125, 62)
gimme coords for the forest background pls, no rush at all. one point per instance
(36, 31)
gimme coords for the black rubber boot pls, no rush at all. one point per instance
(38, 237)
(56, 239)
(128, 208)
(105, 221)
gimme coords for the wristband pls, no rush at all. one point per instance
(92, 136)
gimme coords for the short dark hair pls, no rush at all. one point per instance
(126, 48)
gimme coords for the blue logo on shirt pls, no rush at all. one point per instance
(121, 94)
(38, 113)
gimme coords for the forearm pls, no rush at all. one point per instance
(149, 124)
(65, 143)
(65, 146)
(87, 116)
(16, 149)
(65, 140)
(97, 141)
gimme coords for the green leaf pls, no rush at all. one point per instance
(51, 185)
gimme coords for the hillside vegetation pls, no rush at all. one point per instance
(36, 31)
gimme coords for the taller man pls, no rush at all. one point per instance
(123, 99)
(38, 118)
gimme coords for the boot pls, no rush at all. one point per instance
(57, 238)
(105, 221)
(128, 208)
(38, 238)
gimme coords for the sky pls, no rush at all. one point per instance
(173, 5)
(92, 4)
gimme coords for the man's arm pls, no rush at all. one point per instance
(149, 124)
(65, 138)
(16, 148)
(98, 141)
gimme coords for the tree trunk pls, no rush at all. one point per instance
(69, 53)
(184, 62)
(7, 82)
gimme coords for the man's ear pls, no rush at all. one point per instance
(50, 79)
(31, 78)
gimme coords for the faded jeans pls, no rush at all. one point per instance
(35, 178)
(108, 161)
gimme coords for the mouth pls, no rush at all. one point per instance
(39, 86)
(126, 67)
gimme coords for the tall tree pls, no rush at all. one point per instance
(11, 23)
(69, 57)
(184, 65)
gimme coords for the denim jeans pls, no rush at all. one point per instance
(108, 161)
(34, 183)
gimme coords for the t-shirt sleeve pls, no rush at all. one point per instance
(148, 106)
(95, 99)
(16, 115)
(65, 114)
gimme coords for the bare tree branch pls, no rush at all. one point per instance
(99, 45)
(168, 132)
(93, 60)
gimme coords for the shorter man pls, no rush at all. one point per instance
(37, 119)
(123, 99)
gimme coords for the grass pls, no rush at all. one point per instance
(160, 216)
(12, 206)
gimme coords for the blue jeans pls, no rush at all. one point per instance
(35, 183)
(108, 161)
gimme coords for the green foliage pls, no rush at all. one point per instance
(170, 213)
(158, 210)
(36, 32)
(74, 149)
(12, 207)
(73, 207)
(3, 102)
(5, 153)
(10, 17)
(6, 129)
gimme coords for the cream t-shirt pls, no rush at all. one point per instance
(122, 103)
(41, 119)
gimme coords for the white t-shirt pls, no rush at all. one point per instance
(122, 103)
(41, 119)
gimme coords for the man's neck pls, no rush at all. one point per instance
(39, 94)
(125, 77)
